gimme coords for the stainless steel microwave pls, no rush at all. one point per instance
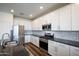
(46, 27)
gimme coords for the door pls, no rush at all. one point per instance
(55, 20)
(75, 17)
(27, 38)
(52, 48)
(74, 51)
(62, 49)
(35, 40)
(65, 18)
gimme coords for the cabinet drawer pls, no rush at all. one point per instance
(51, 43)
(52, 52)
(62, 49)
(74, 51)
(52, 47)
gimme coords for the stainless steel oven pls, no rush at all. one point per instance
(43, 43)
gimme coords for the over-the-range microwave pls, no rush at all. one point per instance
(46, 27)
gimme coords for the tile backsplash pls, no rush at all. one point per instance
(68, 35)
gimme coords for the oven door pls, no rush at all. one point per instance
(43, 43)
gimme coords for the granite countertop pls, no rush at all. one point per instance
(64, 41)
(42, 36)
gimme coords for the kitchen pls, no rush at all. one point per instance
(52, 29)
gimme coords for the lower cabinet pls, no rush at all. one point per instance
(74, 51)
(62, 49)
(27, 38)
(52, 50)
(35, 40)
(57, 49)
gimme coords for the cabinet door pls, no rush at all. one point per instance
(75, 16)
(33, 40)
(52, 48)
(55, 20)
(39, 23)
(65, 18)
(74, 51)
(34, 25)
(27, 38)
(43, 19)
(36, 41)
(62, 49)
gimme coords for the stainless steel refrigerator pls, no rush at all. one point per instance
(18, 34)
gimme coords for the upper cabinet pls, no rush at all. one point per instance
(34, 25)
(75, 17)
(60, 18)
(51, 18)
(54, 20)
(37, 24)
(65, 17)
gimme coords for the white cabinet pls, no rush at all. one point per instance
(34, 25)
(54, 20)
(51, 18)
(74, 51)
(32, 39)
(35, 40)
(52, 48)
(57, 49)
(37, 24)
(62, 49)
(75, 16)
(44, 19)
(27, 38)
(65, 17)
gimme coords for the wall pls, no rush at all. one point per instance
(22, 21)
(6, 22)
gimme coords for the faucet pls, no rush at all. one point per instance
(2, 41)
(3, 37)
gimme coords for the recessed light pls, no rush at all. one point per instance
(41, 7)
(12, 10)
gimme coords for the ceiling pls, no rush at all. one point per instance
(25, 9)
